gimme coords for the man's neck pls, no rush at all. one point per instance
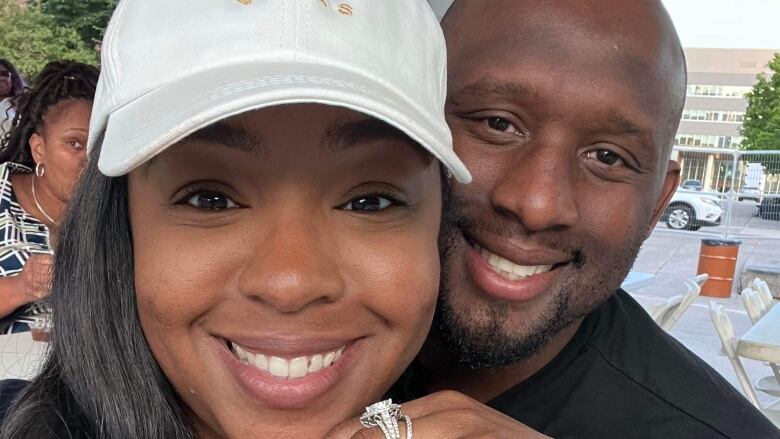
(484, 385)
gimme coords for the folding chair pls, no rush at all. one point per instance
(694, 288)
(753, 304)
(661, 311)
(763, 290)
(725, 331)
(755, 307)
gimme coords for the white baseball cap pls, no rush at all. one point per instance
(172, 67)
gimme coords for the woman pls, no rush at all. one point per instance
(11, 87)
(41, 161)
(252, 250)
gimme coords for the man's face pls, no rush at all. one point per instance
(563, 122)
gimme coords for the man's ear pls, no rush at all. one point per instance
(671, 181)
(37, 147)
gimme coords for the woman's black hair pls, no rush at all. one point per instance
(100, 380)
(58, 81)
(17, 82)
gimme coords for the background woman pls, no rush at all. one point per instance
(41, 161)
(11, 87)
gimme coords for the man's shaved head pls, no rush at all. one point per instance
(565, 111)
(638, 35)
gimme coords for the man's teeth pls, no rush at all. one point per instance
(509, 269)
(297, 367)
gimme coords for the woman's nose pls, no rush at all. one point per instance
(292, 267)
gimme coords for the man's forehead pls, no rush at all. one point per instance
(591, 41)
(561, 28)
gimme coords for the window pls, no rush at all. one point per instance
(714, 116)
(707, 141)
(722, 91)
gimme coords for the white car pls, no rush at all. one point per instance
(691, 210)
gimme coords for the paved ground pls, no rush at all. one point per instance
(673, 257)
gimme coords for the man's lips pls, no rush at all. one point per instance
(516, 252)
(522, 276)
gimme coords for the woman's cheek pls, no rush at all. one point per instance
(401, 288)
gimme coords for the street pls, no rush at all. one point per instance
(744, 222)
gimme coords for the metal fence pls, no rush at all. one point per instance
(726, 193)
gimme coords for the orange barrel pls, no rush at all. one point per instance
(718, 258)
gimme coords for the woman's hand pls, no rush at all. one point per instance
(34, 282)
(445, 415)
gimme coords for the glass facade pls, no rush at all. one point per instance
(708, 141)
(721, 91)
(714, 116)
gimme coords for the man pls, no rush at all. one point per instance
(566, 112)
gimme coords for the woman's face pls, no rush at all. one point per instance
(6, 83)
(60, 145)
(286, 266)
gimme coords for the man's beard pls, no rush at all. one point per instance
(483, 337)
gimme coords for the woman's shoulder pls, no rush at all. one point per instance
(9, 391)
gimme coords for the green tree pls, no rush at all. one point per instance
(88, 17)
(761, 128)
(31, 38)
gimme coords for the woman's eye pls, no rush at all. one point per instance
(604, 156)
(76, 144)
(211, 201)
(371, 203)
(503, 125)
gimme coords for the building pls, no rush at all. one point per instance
(715, 107)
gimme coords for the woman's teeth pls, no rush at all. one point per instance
(280, 367)
(508, 269)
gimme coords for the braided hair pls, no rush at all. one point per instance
(58, 81)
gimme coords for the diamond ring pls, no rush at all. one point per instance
(385, 415)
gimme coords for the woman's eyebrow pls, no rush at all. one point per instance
(230, 136)
(222, 134)
(342, 136)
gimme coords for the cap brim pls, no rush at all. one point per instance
(151, 123)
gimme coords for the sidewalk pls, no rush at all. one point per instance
(673, 258)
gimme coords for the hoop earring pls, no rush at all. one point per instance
(39, 170)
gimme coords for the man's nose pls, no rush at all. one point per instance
(538, 186)
(292, 267)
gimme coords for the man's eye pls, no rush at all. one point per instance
(503, 125)
(211, 201)
(371, 203)
(604, 156)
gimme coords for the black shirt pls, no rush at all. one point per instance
(621, 376)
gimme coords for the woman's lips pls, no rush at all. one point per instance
(287, 382)
(287, 367)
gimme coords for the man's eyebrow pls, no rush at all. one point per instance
(623, 125)
(488, 86)
(343, 136)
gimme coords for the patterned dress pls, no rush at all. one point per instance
(21, 236)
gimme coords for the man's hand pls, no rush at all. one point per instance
(445, 415)
(34, 282)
